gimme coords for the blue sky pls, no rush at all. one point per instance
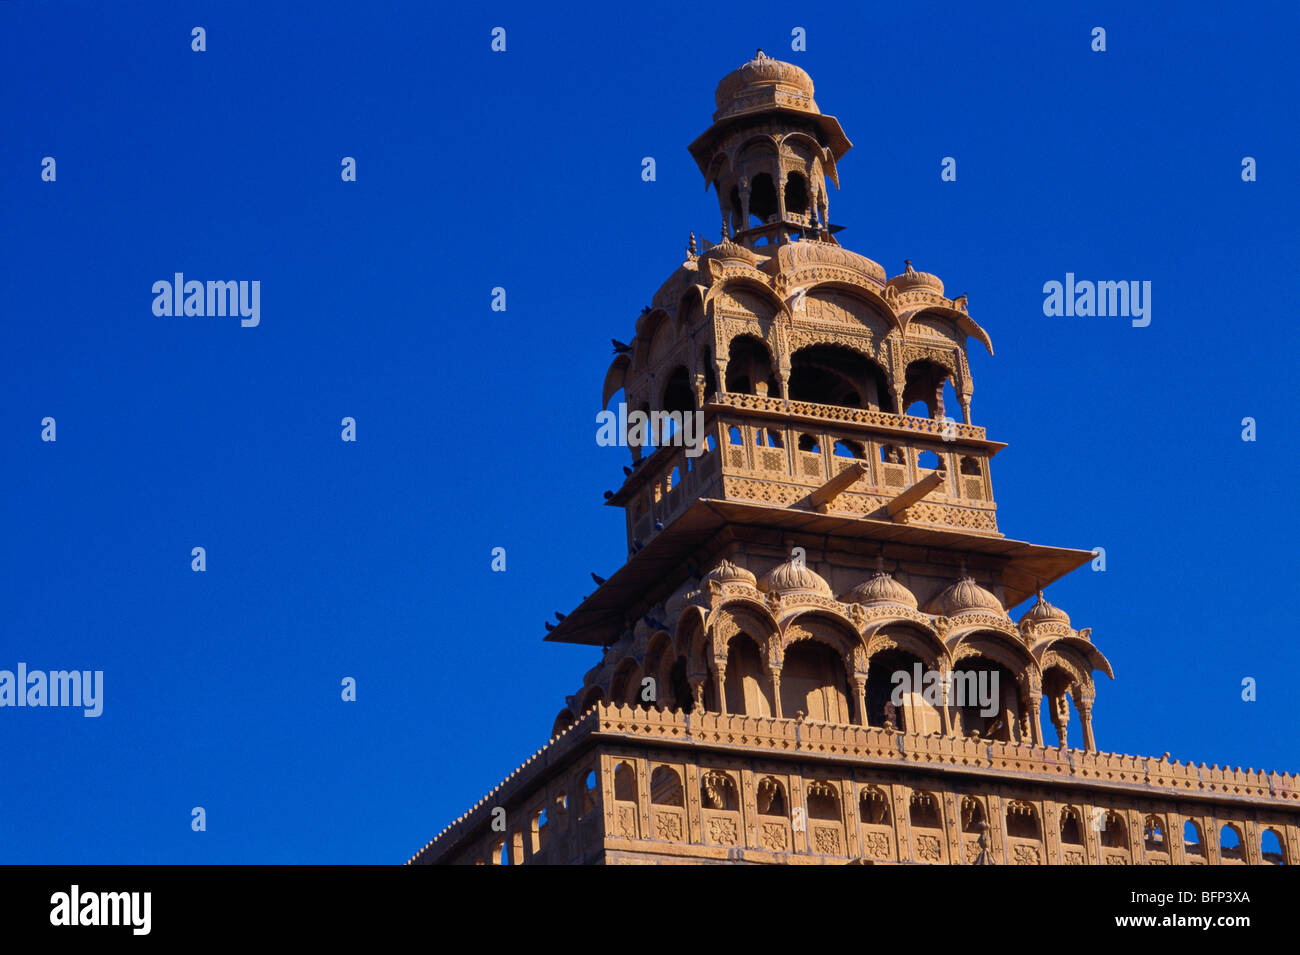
(476, 428)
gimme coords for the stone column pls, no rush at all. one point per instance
(776, 693)
(1061, 718)
(945, 715)
(860, 694)
(1085, 717)
(696, 682)
(1036, 720)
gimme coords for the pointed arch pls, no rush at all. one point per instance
(962, 320)
(739, 614)
(615, 378)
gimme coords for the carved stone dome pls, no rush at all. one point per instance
(1043, 612)
(963, 596)
(728, 251)
(795, 255)
(912, 279)
(881, 589)
(763, 83)
(728, 573)
(793, 577)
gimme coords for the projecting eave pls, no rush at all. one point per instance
(830, 132)
(657, 568)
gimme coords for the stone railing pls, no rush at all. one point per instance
(868, 747)
(833, 740)
(900, 425)
(745, 464)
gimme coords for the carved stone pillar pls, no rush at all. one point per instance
(1084, 706)
(945, 715)
(860, 696)
(696, 682)
(1036, 720)
(1061, 718)
(720, 681)
(776, 693)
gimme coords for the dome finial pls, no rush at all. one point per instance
(907, 269)
(881, 589)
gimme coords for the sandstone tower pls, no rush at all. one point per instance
(839, 529)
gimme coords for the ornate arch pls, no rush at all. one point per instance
(812, 336)
(693, 296)
(590, 697)
(1088, 657)
(659, 659)
(739, 614)
(763, 139)
(1053, 659)
(627, 673)
(869, 297)
(615, 378)
(961, 319)
(816, 623)
(1001, 648)
(647, 327)
(690, 640)
(922, 642)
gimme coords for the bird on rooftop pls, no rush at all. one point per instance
(608, 495)
(627, 471)
(620, 348)
(598, 579)
(549, 626)
(560, 616)
(659, 525)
